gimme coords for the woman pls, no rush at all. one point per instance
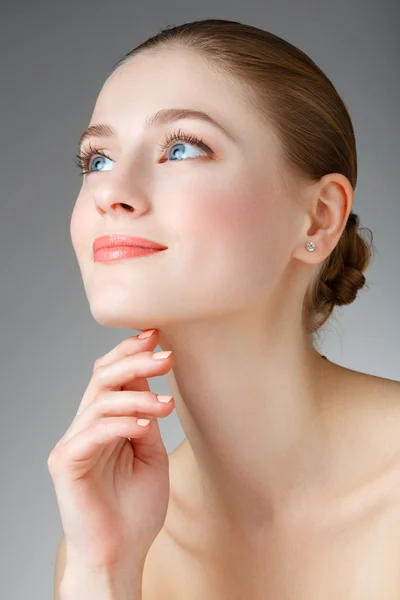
(287, 483)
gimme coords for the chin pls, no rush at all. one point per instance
(117, 317)
(126, 315)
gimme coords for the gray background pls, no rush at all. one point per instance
(55, 57)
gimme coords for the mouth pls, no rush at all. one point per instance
(122, 252)
(122, 240)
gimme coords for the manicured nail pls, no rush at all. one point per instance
(164, 399)
(146, 334)
(143, 422)
(161, 355)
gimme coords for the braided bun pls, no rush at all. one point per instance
(342, 276)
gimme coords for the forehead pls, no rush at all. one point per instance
(182, 78)
(175, 78)
(166, 76)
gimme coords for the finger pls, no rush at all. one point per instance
(117, 374)
(121, 403)
(161, 410)
(112, 377)
(79, 455)
(127, 347)
(123, 372)
(138, 404)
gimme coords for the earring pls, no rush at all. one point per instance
(310, 246)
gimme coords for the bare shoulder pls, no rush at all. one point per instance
(368, 418)
(362, 392)
(379, 397)
(374, 403)
(387, 401)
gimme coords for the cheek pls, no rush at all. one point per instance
(80, 227)
(214, 214)
(229, 235)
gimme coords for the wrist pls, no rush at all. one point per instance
(102, 583)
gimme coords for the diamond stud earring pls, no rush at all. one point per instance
(310, 246)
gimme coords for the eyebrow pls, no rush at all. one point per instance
(161, 117)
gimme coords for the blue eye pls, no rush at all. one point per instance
(188, 138)
(83, 159)
(181, 144)
(100, 158)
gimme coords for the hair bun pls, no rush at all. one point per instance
(342, 275)
(353, 219)
(353, 256)
(346, 287)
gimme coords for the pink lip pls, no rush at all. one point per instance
(118, 240)
(120, 252)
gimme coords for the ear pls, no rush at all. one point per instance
(326, 209)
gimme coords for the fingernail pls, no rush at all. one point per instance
(143, 422)
(146, 334)
(164, 399)
(161, 355)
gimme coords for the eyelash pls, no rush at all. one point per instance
(83, 159)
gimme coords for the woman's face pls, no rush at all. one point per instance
(223, 214)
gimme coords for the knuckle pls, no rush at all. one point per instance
(53, 458)
(151, 398)
(101, 401)
(143, 400)
(94, 427)
(50, 459)
(101, 397)
(99, 374)
(97, 363)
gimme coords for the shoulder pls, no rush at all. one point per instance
(362, 392)
(374, 403)
(363, 422)
(377, 422)
(388, 420)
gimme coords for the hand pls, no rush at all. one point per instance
(113, 492)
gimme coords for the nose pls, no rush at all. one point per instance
(116, 197)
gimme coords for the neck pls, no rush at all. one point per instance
(249, 401)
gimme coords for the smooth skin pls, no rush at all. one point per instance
(113, 493)
(282, 448)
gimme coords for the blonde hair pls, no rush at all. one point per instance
(289, 92)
